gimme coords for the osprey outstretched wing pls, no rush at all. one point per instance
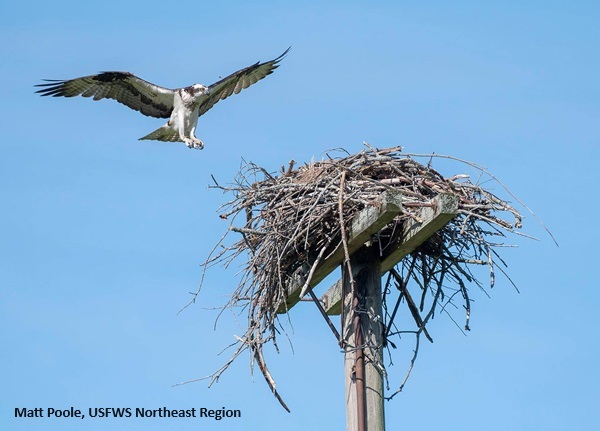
(124, 87)
(182, 106)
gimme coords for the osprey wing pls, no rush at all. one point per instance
(237, 81)
(124, 87)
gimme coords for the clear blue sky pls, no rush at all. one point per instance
(102, 235)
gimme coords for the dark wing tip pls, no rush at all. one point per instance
(58, 87)
(51, 87)
(49, 82)
(274, 64)
(282, 56)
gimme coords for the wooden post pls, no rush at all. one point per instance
(364, 337)
(443, 209)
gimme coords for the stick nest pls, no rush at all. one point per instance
(298, 217)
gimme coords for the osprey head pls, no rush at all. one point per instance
(196, 89)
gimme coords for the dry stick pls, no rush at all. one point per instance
(326, 317)
(410, 368)
(417, 339)
(306, 286)
(217, 374)
(399, 283)
(414, 311)
(208, 259)
(485, 171)
(265, 371)
(316, 300)
(246, 231)
(392, 317)
(345, 244)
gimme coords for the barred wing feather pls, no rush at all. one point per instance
(124, 87)
(238, 81)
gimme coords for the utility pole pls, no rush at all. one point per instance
(363, 334)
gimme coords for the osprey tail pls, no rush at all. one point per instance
(166, 134)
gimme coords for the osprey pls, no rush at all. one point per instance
(181, 106)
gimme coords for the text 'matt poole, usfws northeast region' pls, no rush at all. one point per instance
(127, 412)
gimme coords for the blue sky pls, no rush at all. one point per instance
(102, 235)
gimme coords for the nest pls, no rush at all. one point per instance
(282, 221)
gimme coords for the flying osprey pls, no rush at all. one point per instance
(181, 106)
